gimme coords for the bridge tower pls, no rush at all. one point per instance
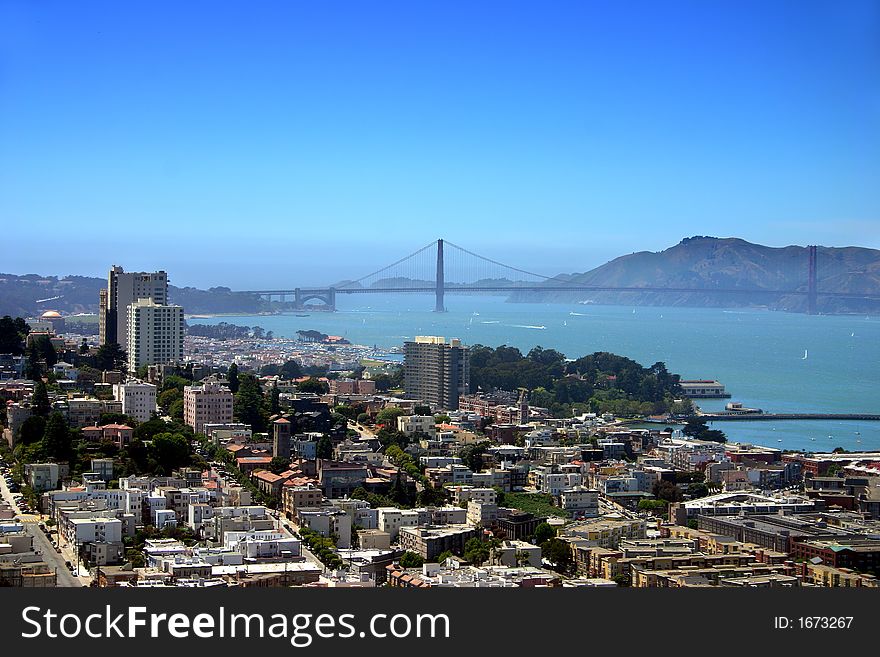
(440, 282)
(811, 282)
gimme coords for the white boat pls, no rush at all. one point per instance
(805, 355)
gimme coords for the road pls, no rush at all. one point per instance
(364, 433)
(42, 545)
(287, 527)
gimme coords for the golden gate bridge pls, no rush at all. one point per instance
(433, 269)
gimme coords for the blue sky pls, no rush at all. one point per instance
(273, 143)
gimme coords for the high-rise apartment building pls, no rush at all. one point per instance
(124, 289)
(155, 334)
(436, 371)
(209, 403)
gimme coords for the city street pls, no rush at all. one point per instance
(42, 545)
(286, 527)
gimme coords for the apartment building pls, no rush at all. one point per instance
(155, 334)
(430, 542)
(435, 371)
(124, 289)
(209, 403)
(138, 399)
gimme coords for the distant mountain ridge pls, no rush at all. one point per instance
(708, 263)
(31, 294)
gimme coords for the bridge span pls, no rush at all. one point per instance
(425, 272)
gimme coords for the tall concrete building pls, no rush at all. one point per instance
(210, 403)
(155, 334)
(124, 289)
(436, 371)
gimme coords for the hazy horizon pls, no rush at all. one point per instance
(256, 146)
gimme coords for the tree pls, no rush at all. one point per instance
(653, 506)
(443, 556)
(472, 455)
(171, 450)
(84, 347)
(146, 430)
(698, 490)
(176, 409)
(430, 496)
(32, 430)
(13, 333)
(167, 397)
(666, 490)
(56, 439)
(544, 533)
(421, 410)
(291, 370)
(232, 377)
(324, 448)
(313, 385)
(622, 580)
(411, 560)
(697, 428)
(110, 357)
(476, 551)
(33, 369)
(384, 382)
(46, 350)
(388, 416)
(274, 400)
(40, 400)
(558, 553)
(249, 403)
(279, 464)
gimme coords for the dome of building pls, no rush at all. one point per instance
(50, 314)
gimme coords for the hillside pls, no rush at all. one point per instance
(729, 263)
(31, 294)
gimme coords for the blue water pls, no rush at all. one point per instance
(757, 355)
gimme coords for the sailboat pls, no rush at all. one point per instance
(805, 355)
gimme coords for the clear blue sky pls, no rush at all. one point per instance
(271, 143)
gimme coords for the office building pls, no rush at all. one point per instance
(435, 371)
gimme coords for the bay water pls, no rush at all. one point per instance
(779, 362)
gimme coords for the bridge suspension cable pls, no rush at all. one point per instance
(558, 277)
(432, 245)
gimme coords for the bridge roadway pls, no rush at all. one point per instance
(543, 288)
